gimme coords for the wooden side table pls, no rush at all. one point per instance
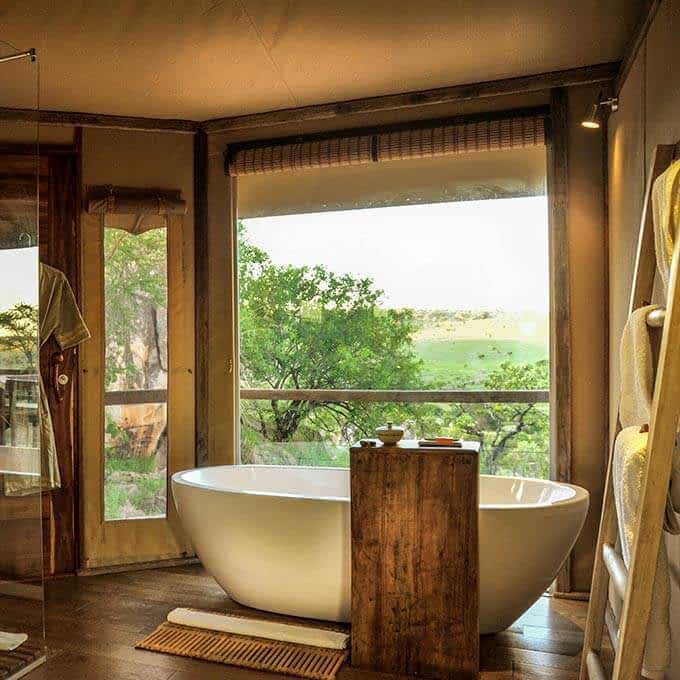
(415, 560)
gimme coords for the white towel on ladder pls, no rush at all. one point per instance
(630, 452)
(637, 392)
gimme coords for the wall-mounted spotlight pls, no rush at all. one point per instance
(593, 121)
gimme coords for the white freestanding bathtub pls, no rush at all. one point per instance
(278, 538)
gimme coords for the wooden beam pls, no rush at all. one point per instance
(650, 8)
(598, 73)
(31, 149)
(99, 120)
(202, 298)
(560, 300)
(128, 397)
(134, 397)
(558, 178)
(403, 396)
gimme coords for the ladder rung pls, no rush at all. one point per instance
(612, 626)
(616, 568)
(595, 667)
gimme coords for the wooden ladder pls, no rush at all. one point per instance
(635, 585)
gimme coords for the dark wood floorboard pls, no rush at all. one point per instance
(94, 622)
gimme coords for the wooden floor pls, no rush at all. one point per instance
(93, 623)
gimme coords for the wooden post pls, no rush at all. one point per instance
(415, 560)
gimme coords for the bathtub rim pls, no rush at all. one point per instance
(579, 494)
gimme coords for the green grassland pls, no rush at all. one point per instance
(459, 349)
(458, 364)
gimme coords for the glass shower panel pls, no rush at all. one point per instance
(22, 644)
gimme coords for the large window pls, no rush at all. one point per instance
(434, 316)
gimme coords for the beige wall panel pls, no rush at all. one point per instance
(649, 115)
(223, 364)
(662, 92)
(587, 252)
(139, 159)
(626, 195)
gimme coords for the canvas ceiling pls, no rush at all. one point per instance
(199, 59)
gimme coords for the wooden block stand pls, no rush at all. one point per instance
(415, 560)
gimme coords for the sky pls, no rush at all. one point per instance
(464, 255)
(19, 268)
(485, 255)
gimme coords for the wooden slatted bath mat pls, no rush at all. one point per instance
(315, 663)
(19, 659)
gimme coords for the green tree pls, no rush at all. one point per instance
(309, 328)
(513, 437)
(136, 289)
(19, 332)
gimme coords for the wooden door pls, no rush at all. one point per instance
(137, 406)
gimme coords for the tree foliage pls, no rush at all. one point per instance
(309, 328)
(512, 436)
(19, 332)
(136, 289)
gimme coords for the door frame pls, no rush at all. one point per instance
(122, 542)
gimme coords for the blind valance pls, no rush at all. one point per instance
(437, 138)
(133, 201)
(135, 210)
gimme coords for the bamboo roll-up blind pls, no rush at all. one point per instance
(511, 130)
(443, 140)
(318, 153)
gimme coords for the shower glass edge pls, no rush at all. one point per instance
(22, 611)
